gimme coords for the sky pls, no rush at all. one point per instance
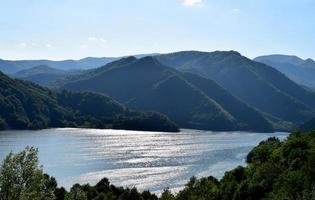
(73, 29)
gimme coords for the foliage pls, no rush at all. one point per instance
(22, 178)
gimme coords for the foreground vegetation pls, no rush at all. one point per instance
(280, 170)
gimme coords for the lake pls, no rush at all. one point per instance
(147, 160)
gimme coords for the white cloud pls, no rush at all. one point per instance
(48, 45)
(192, 2)
(22, 44)
(83, 46)
(96, 39)
(236, 10)
(103, 40)
(92, 38)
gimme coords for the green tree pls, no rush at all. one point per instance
(21, 177)
(167, 195)
(76, 193)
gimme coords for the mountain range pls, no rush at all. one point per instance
(14, 66)
(256, 84)
(11, 66)
(297, 69)
(42, 74)
(24, 105)
(188, 99)
(220, 90)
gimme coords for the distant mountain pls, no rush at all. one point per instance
(297, 69)
(13, 66)
(42, 75)
(308, 126)
(189, 100)
(24, 105)
(8, 67)
(256, 84)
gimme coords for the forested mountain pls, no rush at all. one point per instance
(254, 83)
(24, 105)
(297, 69)
(42, 74)
(189, 100)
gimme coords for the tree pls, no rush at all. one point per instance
(22, 178)
(167, 195)
(76, 193)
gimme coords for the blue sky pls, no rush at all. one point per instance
(62, 29)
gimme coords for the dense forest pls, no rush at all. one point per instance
(279, 170)
(24, 105)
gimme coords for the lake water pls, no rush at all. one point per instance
(147, 160)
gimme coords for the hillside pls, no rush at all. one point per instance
(24, 105)
(308, 126)
(145, 84)
(8, 67)
(42, 74)
(297, 69)
(256, 84)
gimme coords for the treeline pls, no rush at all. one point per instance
(24, 105)
(277, 170)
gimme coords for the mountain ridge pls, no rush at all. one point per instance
(297, 69)
(249, 81)
(147, 84)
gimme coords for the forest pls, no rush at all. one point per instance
(25, 105)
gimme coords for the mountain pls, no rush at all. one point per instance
(308, 126)
(250, 118)
(297, 69)
(189, 100)
(13, 66)
(8, 67)
(256, 84)
(42, 75)
(24, 105)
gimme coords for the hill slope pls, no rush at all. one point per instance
(297, 69)
(254, 83)
(42, 75)
(145, 84)
(24, 105)
(308, 126)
